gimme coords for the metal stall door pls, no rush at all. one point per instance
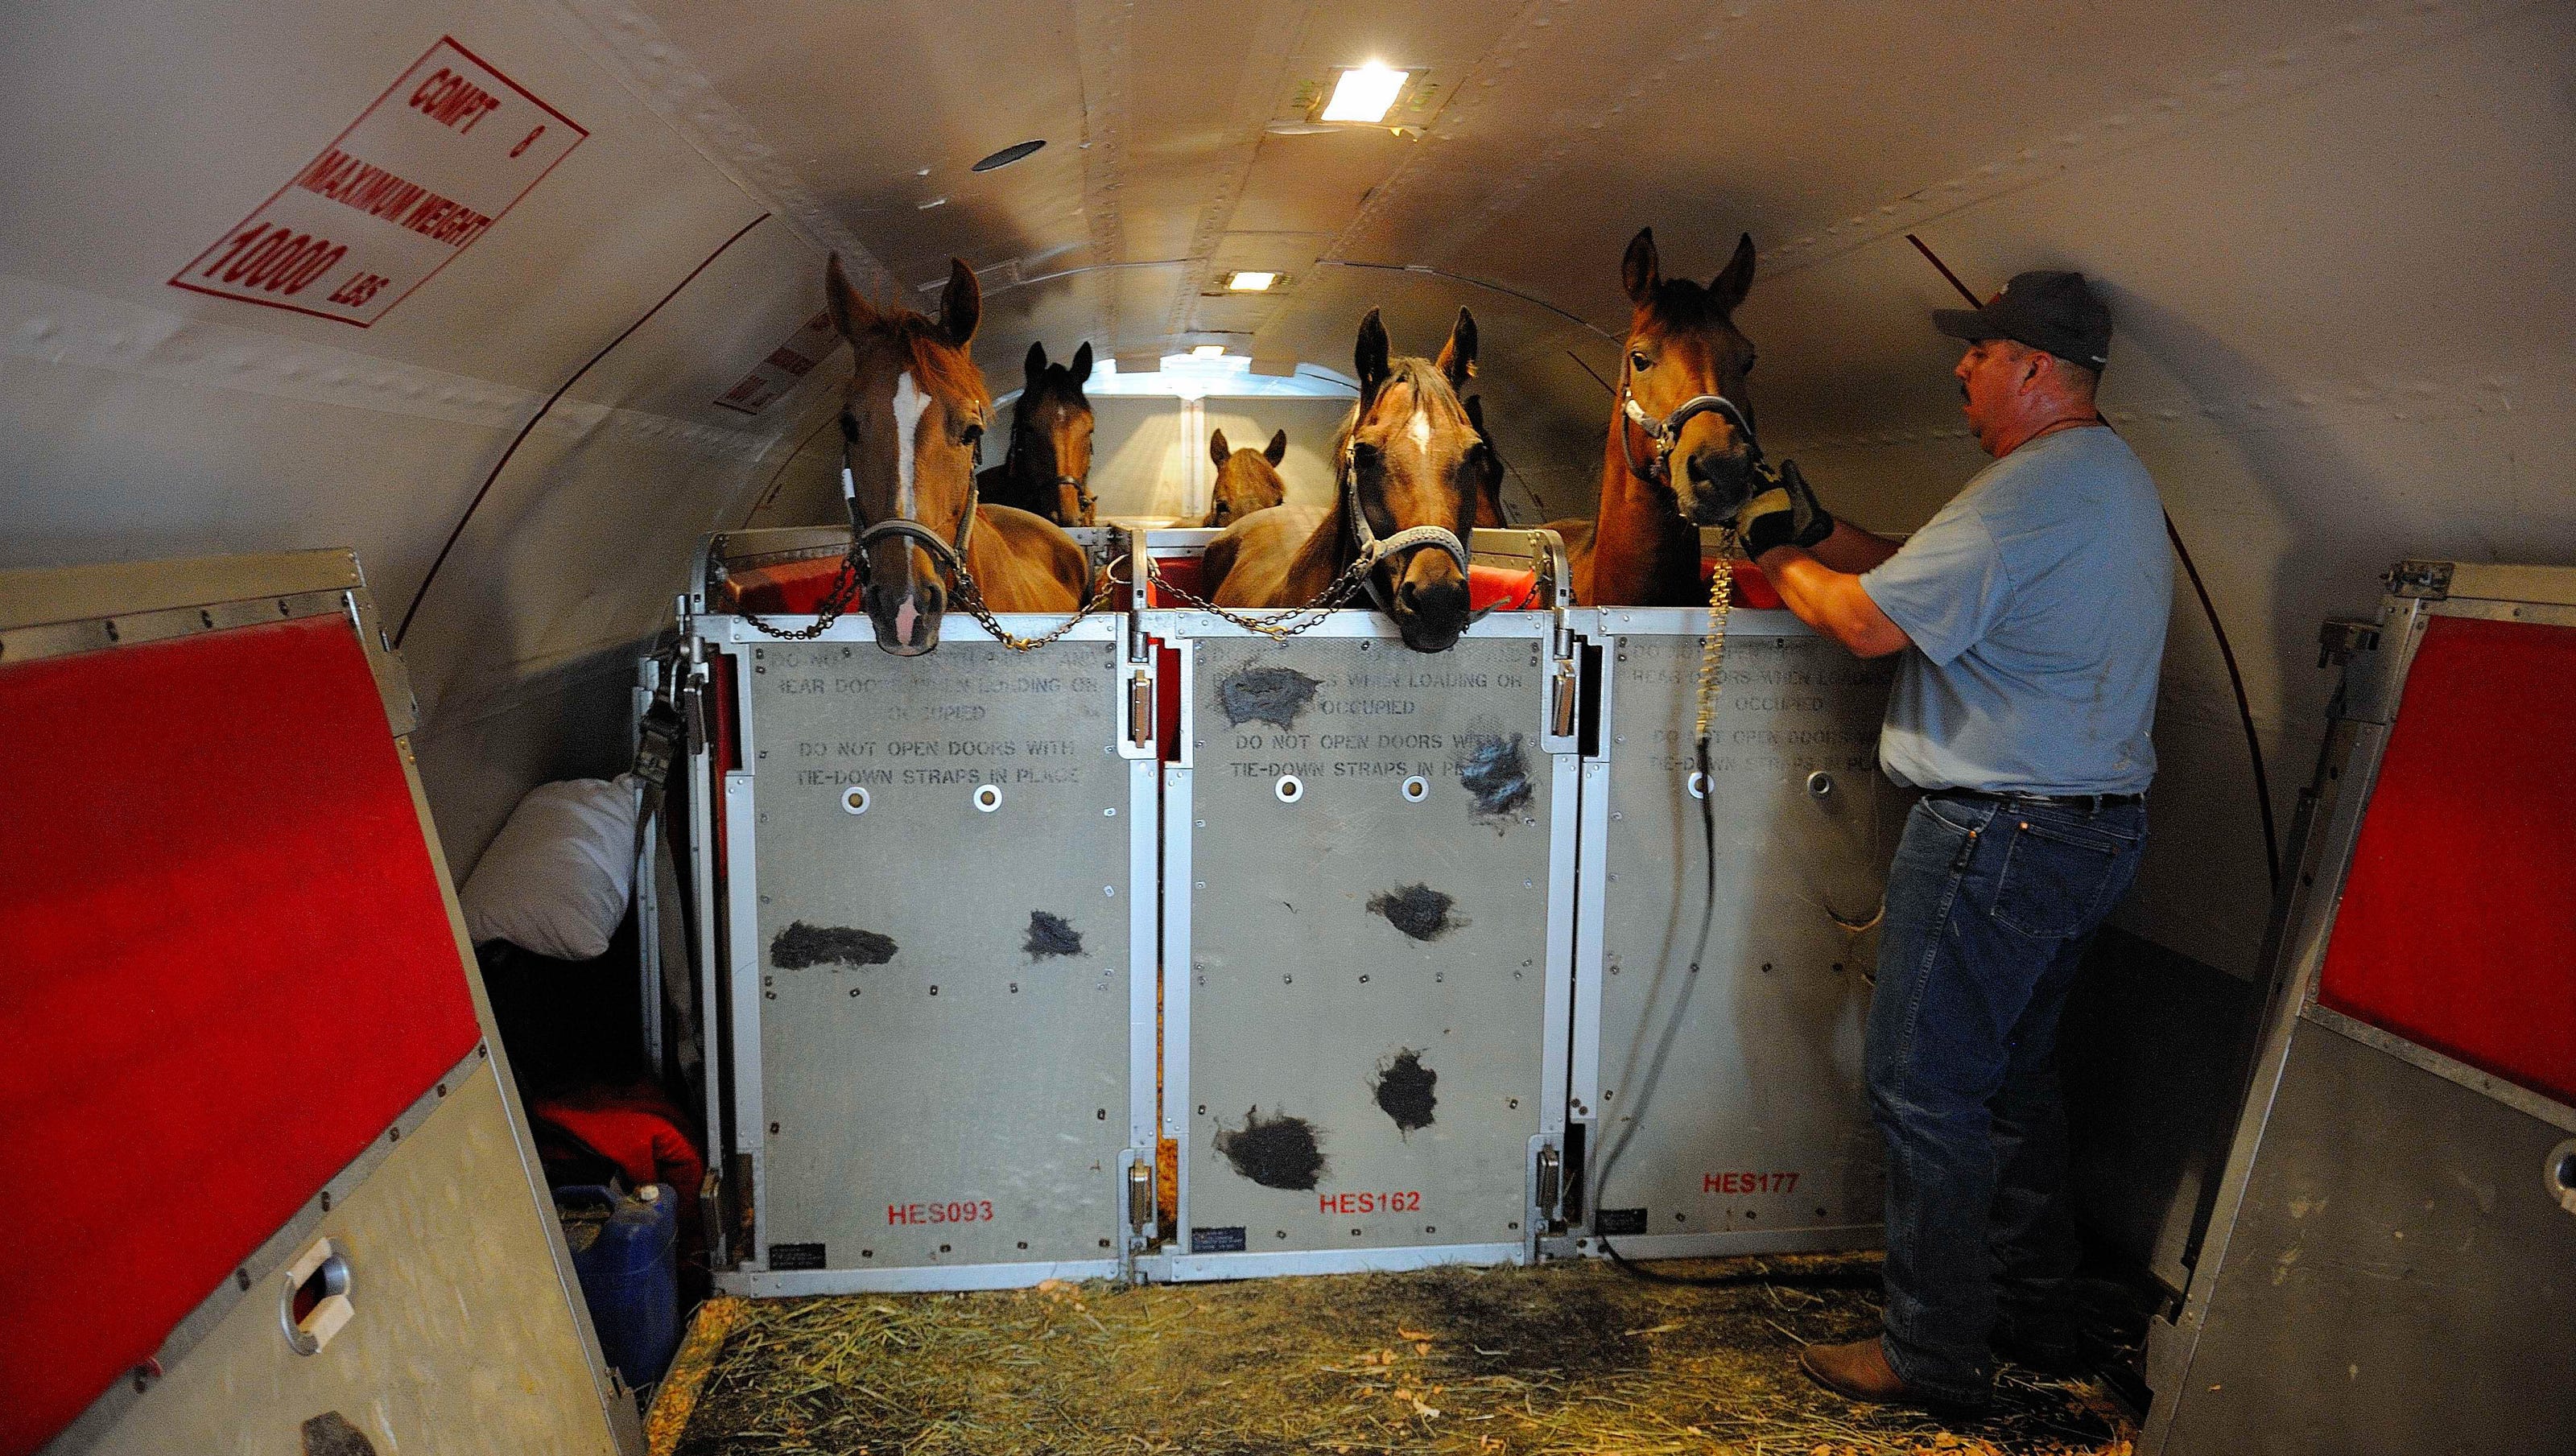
(2392, 1253)
(1368, 902)
(1718, 1085)
(274, 1192)
(940, 941)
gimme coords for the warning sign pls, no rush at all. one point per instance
(786, 364)
(430, 167)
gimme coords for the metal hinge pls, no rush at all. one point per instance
(2427, 580)
(2338, 638)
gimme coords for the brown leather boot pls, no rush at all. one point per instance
(1860, 1371)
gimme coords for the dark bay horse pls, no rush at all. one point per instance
(1489, 485)
(1047, 470)
(1681, 435)
(1407, 467)
(910, 418)
(1246, 480)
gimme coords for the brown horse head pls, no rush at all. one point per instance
(1410, 458)
(1683, 346)
(1246, 480)
(910, 419)
(1051, 436)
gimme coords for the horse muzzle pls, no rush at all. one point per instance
(1430, 614)
(1715, 483)
(907, 622)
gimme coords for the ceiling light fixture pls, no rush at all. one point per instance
(1007, 155)
(1365, 94)
(1207, 351)
(1250, 282)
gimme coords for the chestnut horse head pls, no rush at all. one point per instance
(1050, 457)
(1685, 421)
(912, 418)
(1246, 480)
(1411, 467)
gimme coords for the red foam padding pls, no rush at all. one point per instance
(227, 970)
(2455, 931)
(1751, 589)
(782, 589)
(1487, 586)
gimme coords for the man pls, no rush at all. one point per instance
(2031, 615)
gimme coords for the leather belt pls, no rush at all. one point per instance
(2088, 803)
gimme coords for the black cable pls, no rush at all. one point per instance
(422, 593)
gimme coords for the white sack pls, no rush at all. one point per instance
(557, 878)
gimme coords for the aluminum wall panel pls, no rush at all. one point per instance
(1369, 1050)
(1729, 1108)
(942, 1043)
(452, 1347)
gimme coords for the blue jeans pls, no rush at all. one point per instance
(1990, 904)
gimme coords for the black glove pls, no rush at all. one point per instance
(1788, 514)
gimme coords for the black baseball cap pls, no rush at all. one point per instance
(2056, 312)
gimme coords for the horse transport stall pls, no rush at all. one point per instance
(1388, 954)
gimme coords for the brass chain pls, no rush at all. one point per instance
(1315, 612)
(1712, 652)
(970, 599)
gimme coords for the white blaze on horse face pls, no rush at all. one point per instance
(909, 404)
(1420, 429)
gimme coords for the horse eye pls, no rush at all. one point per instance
(972, 433)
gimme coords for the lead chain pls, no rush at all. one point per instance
(1712, 652)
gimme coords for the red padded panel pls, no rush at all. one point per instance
(228, 969)
(1487, 586)
(2456, 930)
(781, 589)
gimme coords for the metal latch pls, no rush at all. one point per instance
(1568, 700)
(1140, 1195)
(2338, 638)
(1551, 1179)
(1140, 707)
(2429, 580)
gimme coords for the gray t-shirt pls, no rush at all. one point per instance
(2037, 601)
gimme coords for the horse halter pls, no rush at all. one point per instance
(1666, 433)
(1374, 549)
(949, 556)
(1081, 494)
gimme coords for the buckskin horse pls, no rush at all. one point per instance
(1247, 480)
(1681, 435)
(1408, 465)
(1047, 470)
(911, 416)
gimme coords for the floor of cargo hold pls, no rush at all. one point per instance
(1563, 1358)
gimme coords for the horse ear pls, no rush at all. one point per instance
(1730, 286)
(1217, 450)
(1035, 364)
(961, 304)
(1369, 359)
(1278, 448)
(1458, 356)
(1082, 362)
(852, 314)
(1639, 272)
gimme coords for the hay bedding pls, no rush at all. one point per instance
(1567, 1358)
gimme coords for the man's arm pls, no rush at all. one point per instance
(1851, 549)
(1831, 601)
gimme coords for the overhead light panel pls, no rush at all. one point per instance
(1248, 281)
(1207, 351)
(1365, 94)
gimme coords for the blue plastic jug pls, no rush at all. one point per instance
(622, 1248)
